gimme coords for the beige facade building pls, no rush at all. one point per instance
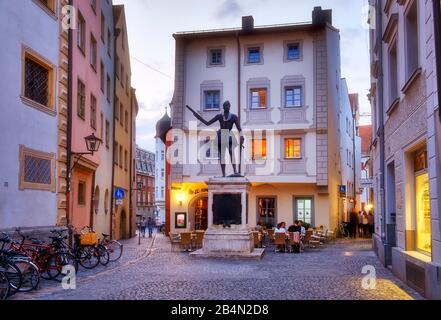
(284, 84)
(405, 171)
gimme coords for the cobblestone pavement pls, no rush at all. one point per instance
(153, 271)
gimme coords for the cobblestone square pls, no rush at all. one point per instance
(153, 272)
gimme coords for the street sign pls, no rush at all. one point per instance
(119, 194)
(342, 190)
(119, 202)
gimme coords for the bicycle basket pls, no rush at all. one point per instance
(89, 239)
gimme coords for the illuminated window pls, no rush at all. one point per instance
(258, 149)
(422, 203)
(266, 211)
(258, 98)
(49, 4)
(293, 148)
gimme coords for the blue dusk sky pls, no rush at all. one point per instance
(151, 24)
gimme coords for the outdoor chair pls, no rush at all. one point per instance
(294, 241)
(199, 240)
(309, 241)
(280, 241)
(174, 240)
(270, 235)
(257, 239)
(186, 242)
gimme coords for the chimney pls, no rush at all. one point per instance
(321, 17)
(247, 23)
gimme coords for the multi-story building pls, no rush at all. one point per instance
(350, 145)
(86, 110)
(366, 196)
(160, 179)
(123, 217)
(33, 124)
(103, 179)
(284, 83)
(145, 181)
(406, 125)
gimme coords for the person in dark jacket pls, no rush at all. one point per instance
(150, 225)
(353, 222)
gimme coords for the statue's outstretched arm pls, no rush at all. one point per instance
(199, 117)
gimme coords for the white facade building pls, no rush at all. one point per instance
(284, 84)
(160, 180)
(29, 106)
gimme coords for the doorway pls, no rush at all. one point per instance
(123, 225)
(199, 213)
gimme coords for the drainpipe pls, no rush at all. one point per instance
(69, 122)
(437, 34)
(112, 200)
(379, 25)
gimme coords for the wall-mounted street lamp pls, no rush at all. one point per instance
(93, 145)
(180, 197)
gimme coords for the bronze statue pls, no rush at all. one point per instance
(224, 137)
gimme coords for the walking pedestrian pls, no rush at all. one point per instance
(360, 224)
(142, 226)
(371, 223)
(150, 226)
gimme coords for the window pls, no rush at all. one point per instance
(81, 33)
(48, 4)
(212, 100)
(254, 55)
(412, 46)
(304, 210)
(37, 170)
(125, 160)
(92, 111)
(162, 173)
(126, 121)
(216, 58)
(162, 192)
(116, 108)
(93, 5)
(117, 67)
(81, 193)
(115, 153)
(293, 148)
(293, 51)
(121, 155)
(109, 88)
(38, 81)
(102, 75)
(266, 211)
(102, 126)
(107, 134)
(258, 98)
(121, 114)
(162, 154)
(93, 51)
(103, 26)
(109, 42)
(81, 100)
(393, 73)
(122, 75)
(258, 149)
(293, 97)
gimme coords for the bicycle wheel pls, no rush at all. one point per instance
(88, 257)
(30, 275)
(115, 250)
(14, 275)
(67, 259)
(104, 255)
(53, 267)
(4, 286)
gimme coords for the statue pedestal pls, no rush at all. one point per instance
(228, 235)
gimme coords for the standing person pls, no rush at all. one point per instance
(365, 224)
(353, 222)
(142, 226)
(302, 228)
(150, 226)
(371, 223)
(360, 224)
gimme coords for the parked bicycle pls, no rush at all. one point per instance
(344, 229)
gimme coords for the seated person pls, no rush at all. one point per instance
(295, 227)
(303, 230)
(281, 228)
(259, 226)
